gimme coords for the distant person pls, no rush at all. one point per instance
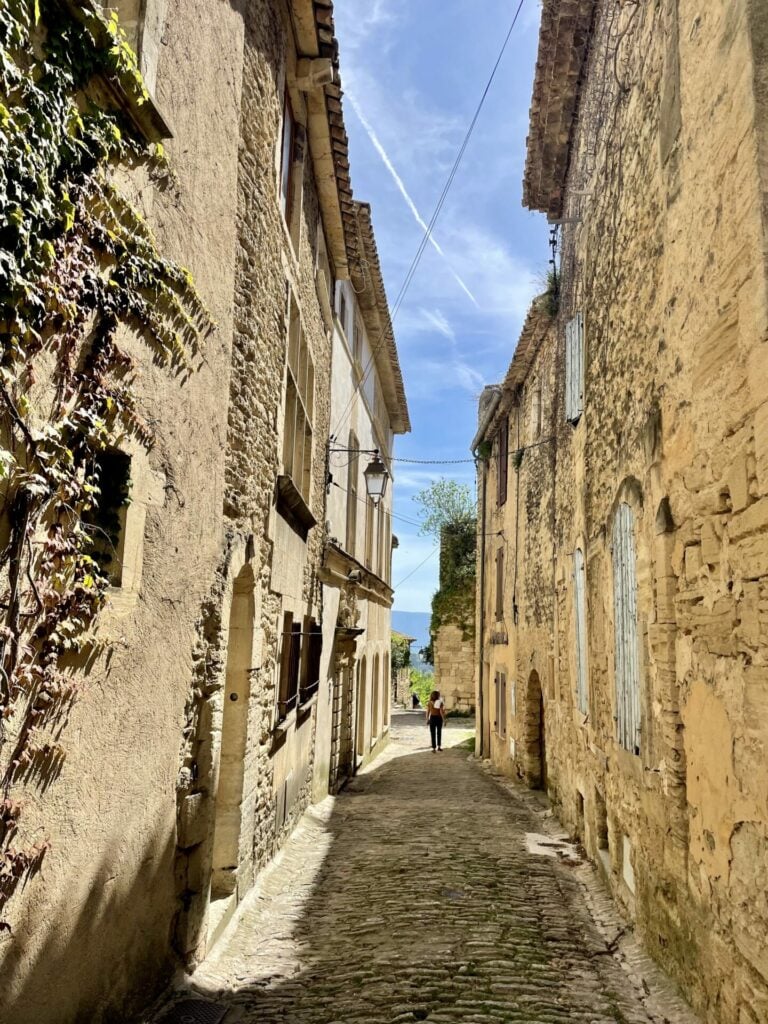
(435, 719)
(414, 701)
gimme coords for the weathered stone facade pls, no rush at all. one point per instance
(625, 670)
(197, 740)
(368, 409)
(452, 626)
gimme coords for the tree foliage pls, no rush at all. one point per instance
(445, 504)
(400, 656)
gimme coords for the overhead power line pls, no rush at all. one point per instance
(433, 220)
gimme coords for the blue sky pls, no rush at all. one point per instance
(413, 72)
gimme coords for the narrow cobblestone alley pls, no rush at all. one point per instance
(400, 901)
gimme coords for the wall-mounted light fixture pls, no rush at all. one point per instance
(376, 473)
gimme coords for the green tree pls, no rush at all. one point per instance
(445, 504)
(400, 651)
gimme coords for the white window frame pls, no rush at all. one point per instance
(626, 636)
(574, 368)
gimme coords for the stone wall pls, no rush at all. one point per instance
(182, 779)
(455, 667)
(663, 252)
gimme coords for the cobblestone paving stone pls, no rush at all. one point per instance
(412, 896)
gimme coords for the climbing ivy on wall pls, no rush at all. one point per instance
(78, 265)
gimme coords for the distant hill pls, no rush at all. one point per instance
(414, 624)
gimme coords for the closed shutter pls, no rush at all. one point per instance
(579, 602)
(503, 462)
(626, 657)
(499, 585)
(574, 368)
(502, 705)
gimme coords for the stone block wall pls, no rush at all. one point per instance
(663, 253)
(455, 668)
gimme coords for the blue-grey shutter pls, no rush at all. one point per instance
(625, 624)
(579, 599)
(574, 368)
(569, 370)
(578, 383)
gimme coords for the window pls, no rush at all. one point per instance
(293, 146)
(312, 649)
(500, 585)
(580, 615)
(324, 274)
(286, 158)
(626, 659)
(290, 662)
(343, 310)
(370, 513)
(502, 468)
(501, 705)
(353, 471)
(536, 412)
(106, 519)
(357, 343)
(299, 402)
(143, 22)
(574, 368)
(382, 543)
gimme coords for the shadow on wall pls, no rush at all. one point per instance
(411, 887)
(61, 985)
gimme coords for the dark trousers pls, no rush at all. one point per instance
(436, 730)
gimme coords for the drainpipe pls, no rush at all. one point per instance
(485, 422)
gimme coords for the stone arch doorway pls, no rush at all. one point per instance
(362, 697)
(234, 727)
(535, 738)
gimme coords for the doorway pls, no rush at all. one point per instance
(535, 734)
(231, 768)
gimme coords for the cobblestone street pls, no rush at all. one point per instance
(430, 891)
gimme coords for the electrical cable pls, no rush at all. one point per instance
(433, 220)
(413, 571)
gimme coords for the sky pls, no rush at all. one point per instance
(413, 72)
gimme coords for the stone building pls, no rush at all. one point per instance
(368, 408)
(452, 626)
(624, 490)
(199, 736)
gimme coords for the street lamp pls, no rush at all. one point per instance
(376, 477)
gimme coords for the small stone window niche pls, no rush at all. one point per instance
(127, 486)
(106, 521)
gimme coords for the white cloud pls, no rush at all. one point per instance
(439, 323)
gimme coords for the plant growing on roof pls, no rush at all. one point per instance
(77, 262)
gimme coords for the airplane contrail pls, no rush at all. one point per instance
(404, 192)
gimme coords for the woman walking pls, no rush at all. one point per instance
(435, 718)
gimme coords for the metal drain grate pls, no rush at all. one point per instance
(196, 1011)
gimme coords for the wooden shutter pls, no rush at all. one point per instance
(574, 368)
(503, 462)
(314, 644)
(579, 605)
(502, 713)
(499, 584)
(626, 657)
